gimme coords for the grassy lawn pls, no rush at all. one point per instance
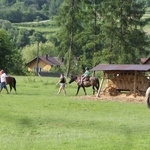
(37, 119)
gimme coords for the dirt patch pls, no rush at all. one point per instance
(120, 98)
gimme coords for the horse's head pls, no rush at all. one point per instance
(72, 79)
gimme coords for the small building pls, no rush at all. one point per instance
(42, 64)
(127, 77)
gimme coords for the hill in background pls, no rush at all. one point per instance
(28, 10)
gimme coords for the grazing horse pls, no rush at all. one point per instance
(93, 81)
(12, 82)
(148, 97)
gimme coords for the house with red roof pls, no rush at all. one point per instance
(43, 63)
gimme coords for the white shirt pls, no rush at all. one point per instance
(3, 76)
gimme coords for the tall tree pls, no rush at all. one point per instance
(23, 38)
(10, 58)
(122, 30)
(90, 37)
(69, 27)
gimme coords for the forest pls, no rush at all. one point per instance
(94, 31)
(28, 10)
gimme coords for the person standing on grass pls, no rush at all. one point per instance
(62, 83)
(3, 81)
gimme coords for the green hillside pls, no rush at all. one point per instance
(29, 10)
(45, 27)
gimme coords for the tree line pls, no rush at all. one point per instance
(28, 10)
(106, 31)
(93, 31)
(32, 10)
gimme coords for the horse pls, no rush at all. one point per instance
(12, 83)
(92, 81)
(147, 95)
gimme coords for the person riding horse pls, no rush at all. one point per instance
(85, 76)
(92, 82)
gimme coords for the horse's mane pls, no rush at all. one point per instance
(76, 75)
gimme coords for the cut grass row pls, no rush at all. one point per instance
(36, 118)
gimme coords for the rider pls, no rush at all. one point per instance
(85, 75)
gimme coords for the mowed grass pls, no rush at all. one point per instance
(37, 119)
(42, 29)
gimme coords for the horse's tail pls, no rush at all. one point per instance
(14, 84)
(97, 80)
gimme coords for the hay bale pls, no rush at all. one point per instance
(126, 82)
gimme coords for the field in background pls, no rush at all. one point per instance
(49, 27)
(36, 118)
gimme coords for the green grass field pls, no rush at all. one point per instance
(37, 119)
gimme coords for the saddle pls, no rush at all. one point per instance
(86, 79)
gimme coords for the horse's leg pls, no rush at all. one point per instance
(78, 90)
(93, 89)
(14, 88)
(14, 85)
(84, 90)
(10, 85)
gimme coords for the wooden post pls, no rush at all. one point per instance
(99, 90)
(93, 74)
(37, 61)
(135, 73)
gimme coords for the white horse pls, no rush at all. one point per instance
(148, 97)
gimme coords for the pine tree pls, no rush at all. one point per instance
(69, 27)
(90, 37)
(124, 38)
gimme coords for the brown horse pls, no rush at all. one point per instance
(93, 81)
(12, 83)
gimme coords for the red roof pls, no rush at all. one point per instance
(125, 67)
(49, 60)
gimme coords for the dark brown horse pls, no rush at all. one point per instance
(12, 83)
(92, 81)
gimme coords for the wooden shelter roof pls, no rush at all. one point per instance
(121, 67)
(131, 82)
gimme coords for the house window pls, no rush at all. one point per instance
(35, 70)
(40, 69)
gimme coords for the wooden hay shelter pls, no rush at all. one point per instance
(130, 78)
